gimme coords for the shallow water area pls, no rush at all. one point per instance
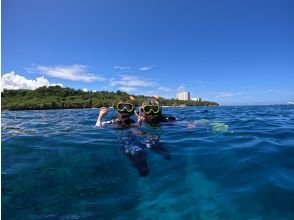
(226, 163)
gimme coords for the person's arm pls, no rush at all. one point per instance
(102, 113)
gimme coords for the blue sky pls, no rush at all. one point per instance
(230, 51)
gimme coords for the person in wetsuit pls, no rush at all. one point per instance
(130, 145)
(151, 113)
(124, 110)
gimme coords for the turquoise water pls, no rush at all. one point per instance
(226, 163)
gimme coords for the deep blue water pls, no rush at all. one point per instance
(227, 163)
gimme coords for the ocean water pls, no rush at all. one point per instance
(225, 163)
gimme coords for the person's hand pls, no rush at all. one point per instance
(140, 119)
(102, 113)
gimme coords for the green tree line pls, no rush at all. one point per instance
(57, 97)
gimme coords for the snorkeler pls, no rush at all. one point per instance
(124, 110)
(130, 144)
(151, 112)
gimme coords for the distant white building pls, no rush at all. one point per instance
(196, 99)
(183, 96)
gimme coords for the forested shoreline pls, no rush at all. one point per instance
(56, 97)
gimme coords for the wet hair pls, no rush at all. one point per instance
(124, 100)
(152, 101)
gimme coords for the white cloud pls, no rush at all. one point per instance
(85, 90)
(273, 91)
(15, 81)
(94, 90)
(164, 89)
(226, 94)
(138, 85)
(268, 91)
(127, 89)
(246, 97)
(131, 81)
(151, 93)
(74, 72)
(181, 88)
(145, 68)
(121, 67)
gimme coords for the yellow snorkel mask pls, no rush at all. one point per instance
(151, 106)
(149, 109)
(127, 106)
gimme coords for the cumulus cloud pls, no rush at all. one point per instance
(145, 68)
(74, 72)
(121, 67)
(85, 90)
(14, 81)
(226, 94)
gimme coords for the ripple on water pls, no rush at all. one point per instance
(56, 165)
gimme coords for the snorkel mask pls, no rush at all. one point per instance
(151, 109)
(126, 106)
(152, 106)
(125, 109)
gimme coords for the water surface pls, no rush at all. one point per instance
(226, 163)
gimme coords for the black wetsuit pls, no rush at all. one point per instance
(134, 147)
(135, 152)
(131, 145)
(123, 120)
(155, 119)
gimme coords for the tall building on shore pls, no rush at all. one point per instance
(183, 95)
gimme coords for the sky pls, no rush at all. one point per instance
(234, 52)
